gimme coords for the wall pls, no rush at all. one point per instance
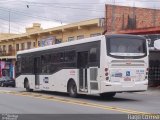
(124, 18)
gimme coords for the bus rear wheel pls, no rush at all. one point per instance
(108, 95)
(72, 89)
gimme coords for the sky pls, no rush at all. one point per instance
(19, 14)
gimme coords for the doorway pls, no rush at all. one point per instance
(37, 65)
(82, 64)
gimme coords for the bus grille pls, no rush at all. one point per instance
(126, 63)
(114, 65)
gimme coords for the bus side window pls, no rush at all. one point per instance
(61, 57)
(56, 57)
(53, 57)
(93, 55)
(30, 64)
(70, 56)
(49, 58)
(18, 67)
(23, 63)
(44, 63)
(42, 59)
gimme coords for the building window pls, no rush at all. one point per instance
(4, 47)
(80, 37)
(34, 44)
(9, 48)
(28, 45)
(17, 47)
(22, 46)
(95, 34)
(39, 43)
(58, 41)
(70, 39)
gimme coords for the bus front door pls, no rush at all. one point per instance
(82, 62)
(36, 71)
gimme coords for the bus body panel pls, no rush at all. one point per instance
(123, 74)
(21, 78)
(118, 87)
(54, 82)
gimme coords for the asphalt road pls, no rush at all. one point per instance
(17, 101)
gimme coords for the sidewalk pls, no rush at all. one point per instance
(151, 91)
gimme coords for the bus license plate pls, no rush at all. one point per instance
(127, 79)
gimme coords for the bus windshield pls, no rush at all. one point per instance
(126, 47)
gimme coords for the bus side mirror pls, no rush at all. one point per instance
(157, 44)
(149, 42)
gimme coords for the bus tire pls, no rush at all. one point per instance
(27, 86)
(72, 89)
(108, 95)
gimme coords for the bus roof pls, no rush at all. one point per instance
(97, 38)
(74, 42)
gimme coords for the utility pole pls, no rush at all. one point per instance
(9, 18)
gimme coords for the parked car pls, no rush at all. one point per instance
(7, 81)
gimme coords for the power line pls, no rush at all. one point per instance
(88, 3)
(5, 25)
(12, 29)
(70, 7)
(62, 6)
(26, 14)
(11, 22)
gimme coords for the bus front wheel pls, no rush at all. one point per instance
(108, 95)
(72, 89)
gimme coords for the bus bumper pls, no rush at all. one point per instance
(121, 87)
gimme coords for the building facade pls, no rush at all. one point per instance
(123, 18)
(36, 36)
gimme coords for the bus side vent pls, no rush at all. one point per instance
(93, 78)
(94, 85)
(93, 74)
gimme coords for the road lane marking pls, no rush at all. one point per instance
(5, 91)
(76, 102)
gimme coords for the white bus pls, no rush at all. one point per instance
(103, 65)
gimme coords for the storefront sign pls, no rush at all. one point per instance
(48, 41)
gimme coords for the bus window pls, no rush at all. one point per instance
(126, 47)
(93, 55)
(18, 67)
(69, 56)
(61, 57)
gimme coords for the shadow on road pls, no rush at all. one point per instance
(87, 97)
